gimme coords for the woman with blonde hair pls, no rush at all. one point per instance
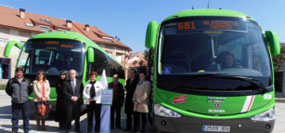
(41, 94)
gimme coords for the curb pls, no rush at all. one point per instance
(280, 100)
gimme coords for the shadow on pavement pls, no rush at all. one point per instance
(5, 112)
(4, 131)
(33, 128)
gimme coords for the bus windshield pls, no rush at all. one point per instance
(52, 56)
(213, 45)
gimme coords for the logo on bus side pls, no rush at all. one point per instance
(217, 105)
(180, 99)
(267, 96)
(216, 111)
(166, 70)
(216, 99)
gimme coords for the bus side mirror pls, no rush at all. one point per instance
(151, 34)
(90, 55)
(274, 43)
(9, 47)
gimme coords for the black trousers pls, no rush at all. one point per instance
(72, 112)
(90, 111)
(60, 110)
(137, 116)
(130, 115)
(116, 110)
(129, 123)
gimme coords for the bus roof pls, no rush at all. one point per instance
(207, 12)
(72, 36)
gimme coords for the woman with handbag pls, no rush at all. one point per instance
(141, 99)
(93, 92)
(41, 96)
(60, 108)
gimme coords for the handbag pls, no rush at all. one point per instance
(43, 109)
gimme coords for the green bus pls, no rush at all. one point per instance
(57, 51)
(212, 72)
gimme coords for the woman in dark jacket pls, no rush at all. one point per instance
(60, 110)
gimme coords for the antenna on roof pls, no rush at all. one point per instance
(208, 4)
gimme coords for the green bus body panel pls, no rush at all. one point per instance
(9, 47)
(207, 12)
(151, 34)
(198, 106)
(79, 37)
(273, 40)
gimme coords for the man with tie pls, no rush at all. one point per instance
(131, 85)
(72, 90)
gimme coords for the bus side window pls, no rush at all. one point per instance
(100, 63)
(115, 68)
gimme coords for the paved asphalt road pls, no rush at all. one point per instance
(51, 125)
(5, 119)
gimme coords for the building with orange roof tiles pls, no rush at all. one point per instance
(20, 25)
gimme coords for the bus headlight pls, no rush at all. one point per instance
(265, 116)
(162, 111)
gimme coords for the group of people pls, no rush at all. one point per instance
(70, 95)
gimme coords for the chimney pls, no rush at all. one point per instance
(22, 12)
(116, 37)
(69, 23)
(87, 27)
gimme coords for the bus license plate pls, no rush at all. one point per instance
(213, 128)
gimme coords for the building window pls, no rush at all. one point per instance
(4, 30)
(29, 25)
(44, 28)
(44, 20)
(61, 30)
(5, 68)
(102, 46)
(108, 39)
(3, 42)
(119, 58)
(24, 34)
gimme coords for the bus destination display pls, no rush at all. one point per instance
(211, 25)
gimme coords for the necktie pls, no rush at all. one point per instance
(131, 82)
(73, 86)
(92, 90)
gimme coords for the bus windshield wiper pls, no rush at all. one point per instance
(253, 81)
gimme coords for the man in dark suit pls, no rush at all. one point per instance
(118, 101)
(72, 90)
(129, 105)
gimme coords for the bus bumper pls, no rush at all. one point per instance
(195, 125)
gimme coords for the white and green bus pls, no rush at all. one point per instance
(57, 51)
(212, 72)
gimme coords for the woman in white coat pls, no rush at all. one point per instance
(93, 92)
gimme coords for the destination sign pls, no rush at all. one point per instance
(230, 25)
(58, 43)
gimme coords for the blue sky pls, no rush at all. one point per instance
(128, 19)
